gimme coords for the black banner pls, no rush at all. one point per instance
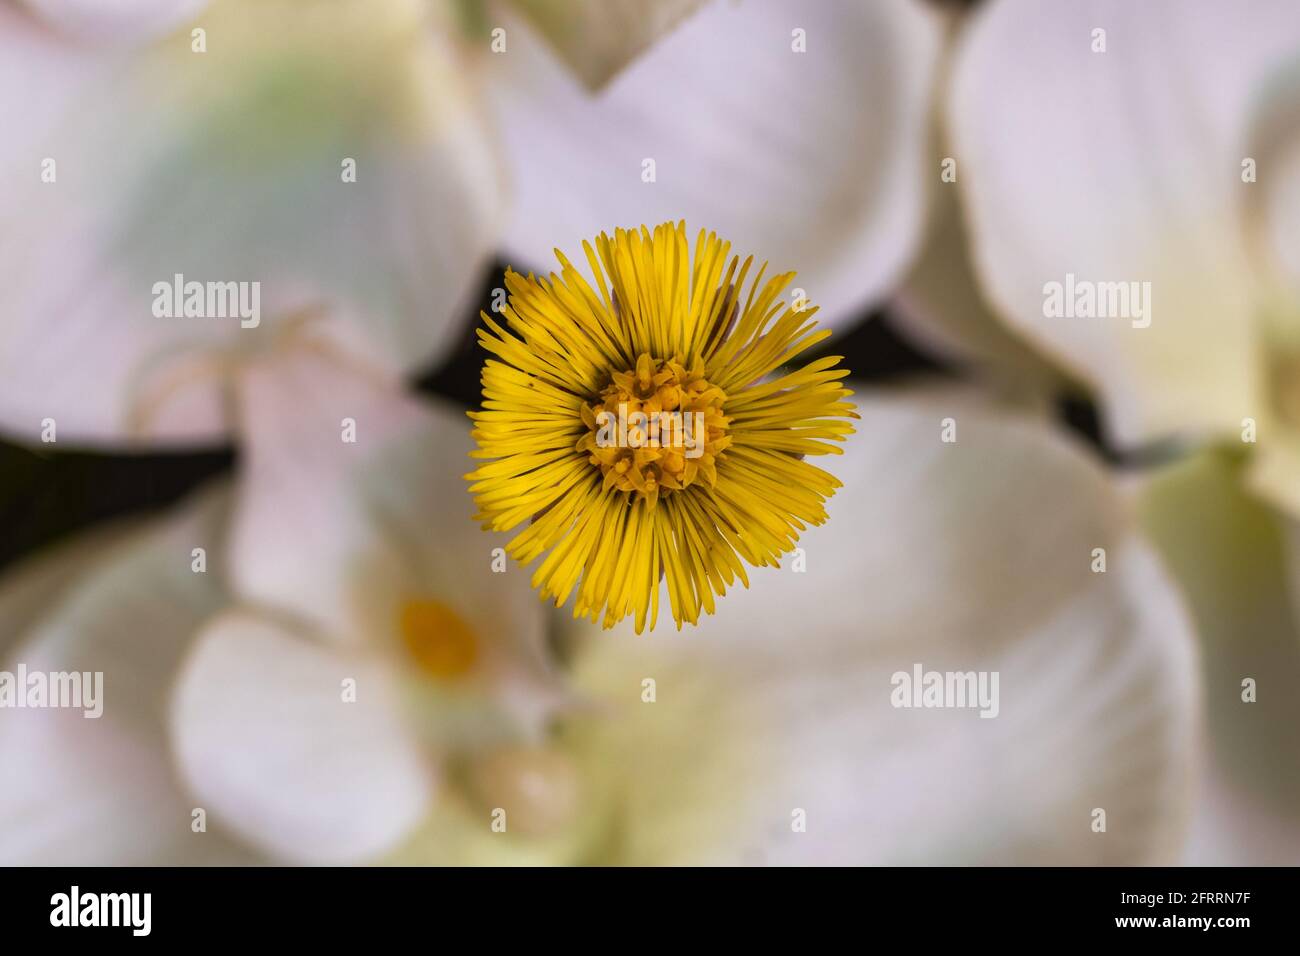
(336, 905)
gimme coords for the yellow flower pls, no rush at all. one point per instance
(647, 429)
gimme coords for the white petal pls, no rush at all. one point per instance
(1122, 166)
(101, 791)
(269, 745)
(128, 20)
(28, 591)
(973, 556)
(1226, 550)
(597, 38)
(231, 166)
(310, 423)
(41, 73)
(940, 305)
(815, 161)
(342, 534)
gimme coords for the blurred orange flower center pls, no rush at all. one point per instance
(442, 645)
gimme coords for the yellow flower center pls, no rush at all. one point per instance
(442, 645)
(656, 428)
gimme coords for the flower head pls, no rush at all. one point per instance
(650, 428)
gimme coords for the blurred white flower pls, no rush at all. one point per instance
(1160, 142)
(230, 165)
(1146, 142)
(359, 562)
(369, 642)
(134, 163)
(337, 647)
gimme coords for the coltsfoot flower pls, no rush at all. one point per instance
(651, 428)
